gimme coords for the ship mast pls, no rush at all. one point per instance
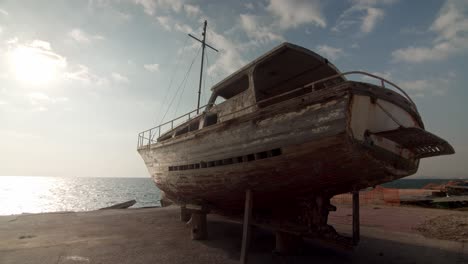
(203, 42)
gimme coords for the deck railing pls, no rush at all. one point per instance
(382, 82)
(151, 135)
(147, 137)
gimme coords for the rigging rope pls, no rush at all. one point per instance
(183, 90)
(173, 75)
(185, 78)
(175, 69)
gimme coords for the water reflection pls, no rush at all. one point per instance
(53, 194)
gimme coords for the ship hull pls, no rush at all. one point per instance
(312, 145)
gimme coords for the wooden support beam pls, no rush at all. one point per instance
(199, 226)
(246, 232)
(356, 231)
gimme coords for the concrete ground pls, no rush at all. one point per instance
(155, 235)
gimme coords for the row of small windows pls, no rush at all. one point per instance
(233, 160)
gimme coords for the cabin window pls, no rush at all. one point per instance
(229, 161)
(261, 155)
(192, 126)
(219, 100)
(229, 90)
(275, 152)
(233, 88)
(211, 119)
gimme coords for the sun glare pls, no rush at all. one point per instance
(35, 65)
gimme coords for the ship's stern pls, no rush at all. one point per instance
(388, 129)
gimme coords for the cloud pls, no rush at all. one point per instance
(451, 27)
(411, 30)
(329, 52)
(192, 10)
(41, 98)
(419, 88)
(184, 28)
(3, 12)
(12, 41)
(122, 15)
(151, 6)
(260, 34)
(249, 6)
(371, 18)
(165, 21)
(433, 86)
(152, 67)
(119, 78)
(228, 59)
(362, 13)
(294, 13)
(385, 75)
(169, 24)
(374, 2)
(84, 75)
(83, 37)
(41, 101)
(416, 85)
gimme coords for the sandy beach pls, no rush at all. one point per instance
(155, 235)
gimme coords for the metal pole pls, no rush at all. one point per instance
(201, 68)
(149, 138)
(356, 231)
(246, 232)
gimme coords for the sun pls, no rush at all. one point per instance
(35, 65)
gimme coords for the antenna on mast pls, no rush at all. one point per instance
(203, 42)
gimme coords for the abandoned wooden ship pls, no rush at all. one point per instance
(293, 130)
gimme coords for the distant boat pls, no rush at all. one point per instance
(291, 128)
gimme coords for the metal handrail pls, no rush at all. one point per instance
(148, 135)
(312, 84)
(142, 139)
(382, 81)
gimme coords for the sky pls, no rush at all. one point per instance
(80, 79)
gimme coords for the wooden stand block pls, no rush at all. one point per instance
(199, 226)
(185, 214)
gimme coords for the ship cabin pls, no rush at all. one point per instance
(270, 79)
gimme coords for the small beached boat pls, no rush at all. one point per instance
(290, 127)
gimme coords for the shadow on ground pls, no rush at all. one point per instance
(227, 237)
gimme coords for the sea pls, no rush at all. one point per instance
(35, 194)
(32, 194)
